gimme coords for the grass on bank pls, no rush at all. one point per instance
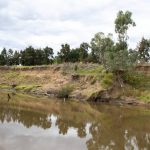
(137, 85)
(99, 74)
(5, 86)
(22, 88)
(26, 88)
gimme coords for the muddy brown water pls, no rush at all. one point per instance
(75, 126)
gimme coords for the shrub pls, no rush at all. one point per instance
(107, 80)
(137, 79)
(65, 91)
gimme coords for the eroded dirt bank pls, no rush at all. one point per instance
(75, 81)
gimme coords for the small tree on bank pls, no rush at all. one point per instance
(143, 50)
(120, 56)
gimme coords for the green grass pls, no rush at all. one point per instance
(90, 71)
(10, 75)
(107, 80)
(4, 86)
(26, 88)
(145, 96)
(137, 80)
(99, 74)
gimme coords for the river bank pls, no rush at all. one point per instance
(84, 82)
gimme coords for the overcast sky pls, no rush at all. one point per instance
(53, 22)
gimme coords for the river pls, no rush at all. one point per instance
(74, 126)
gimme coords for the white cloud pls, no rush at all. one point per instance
(53, 22)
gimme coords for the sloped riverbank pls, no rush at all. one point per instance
(84, 82)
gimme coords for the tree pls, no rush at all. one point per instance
(48, 55)
(64, 53)
(16, 57)
(28, 56)
(3, 57)
(83, 51)
(100, 46)
(144, 50)
(119, 59)
(10, 57)
(74, 55)
(122, 24)
(40, 57)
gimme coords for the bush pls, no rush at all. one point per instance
(107, 80)
(137, 79)
(65, 91)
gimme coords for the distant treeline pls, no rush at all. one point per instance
(31, 56)
(102, 49)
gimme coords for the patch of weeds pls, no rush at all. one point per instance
(10, 75)
(90, 71)
(145, 96)
(137, 79)
(107, 80)
(5, 86)
(65, 91)
(130, 92)
(26, 88)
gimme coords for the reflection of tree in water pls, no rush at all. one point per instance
(27, 118)
(64, 125)
(120, 129)
(82, 131)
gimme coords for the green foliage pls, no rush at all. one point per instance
(64, 53)
(107, 80)
(83, 52)
(65, 91)
(118, 60)
(137, 79)
(3, 57)
(26, 88)
(145, 96)
(67, 54)
(90, 71)
(144, 50)
(28, 57)
(48, 55)
(122, 24)
(115, 56)
(5, 86)
(136, 93)
(100, 45)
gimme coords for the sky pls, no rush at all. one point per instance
(51, 23)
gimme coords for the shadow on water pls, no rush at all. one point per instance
(101, 126)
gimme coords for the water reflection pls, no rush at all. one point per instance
(111, 127)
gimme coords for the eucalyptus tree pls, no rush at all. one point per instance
(101, 45)
(143, 49)
(120, 57)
